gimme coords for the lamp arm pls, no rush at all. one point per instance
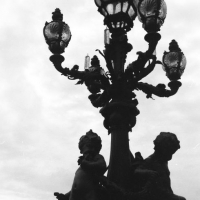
(146, 71)
(138, 69)
(94, 78)
(71, 74)
(109, 66)
(152, 39)
(138, 65)
(174, 86)
(159, 90)
(57, 62)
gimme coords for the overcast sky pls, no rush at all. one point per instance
(43, 114)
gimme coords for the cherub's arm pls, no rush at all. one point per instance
(145, 173)
(98, 164)
(61, 196)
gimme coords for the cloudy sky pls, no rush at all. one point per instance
(43, 114)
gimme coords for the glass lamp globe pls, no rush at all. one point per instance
(57, 33)
(152, 14)
(174, 62)
(119, 14)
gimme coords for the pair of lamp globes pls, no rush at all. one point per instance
(118, 17)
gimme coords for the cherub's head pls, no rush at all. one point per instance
(90, 143)
(166, 144)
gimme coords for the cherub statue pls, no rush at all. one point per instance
(92, 165)
(153, 175)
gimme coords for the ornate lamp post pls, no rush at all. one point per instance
(113, 91)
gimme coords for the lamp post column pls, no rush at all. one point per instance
(119, 166)
(119, 113)
(120, 117)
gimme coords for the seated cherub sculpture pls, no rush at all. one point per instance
(153, 176)
(92, 165)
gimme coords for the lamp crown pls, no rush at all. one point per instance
(173, 46)
(95, 61)
(57, 15)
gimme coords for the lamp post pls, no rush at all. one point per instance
(113, 91)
